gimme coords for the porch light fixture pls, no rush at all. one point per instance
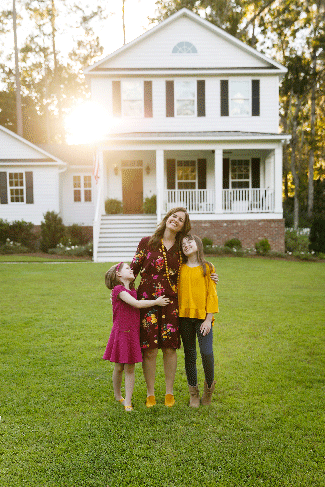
(148, 169)
(115, 169)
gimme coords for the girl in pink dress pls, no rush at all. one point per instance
(123, 346)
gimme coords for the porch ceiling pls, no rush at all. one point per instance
(197, 136)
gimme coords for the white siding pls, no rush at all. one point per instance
(212, 50)
(77, 212)
(13, 148)
(46, 195)
(266, 122)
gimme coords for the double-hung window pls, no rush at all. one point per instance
(17, 187)
(186, 174)
(185, 98)
(132, 98)
(82, 189)
(240, 174)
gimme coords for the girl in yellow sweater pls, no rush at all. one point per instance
(198, 301)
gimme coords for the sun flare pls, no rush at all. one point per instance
(88, 123)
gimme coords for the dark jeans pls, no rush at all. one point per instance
(190, 328)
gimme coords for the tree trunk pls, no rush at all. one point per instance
(293, 164)
(312, 142)
(56, 74)
(17, 75)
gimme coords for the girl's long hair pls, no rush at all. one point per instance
(111, 279)
(155, 239)
(200, 254)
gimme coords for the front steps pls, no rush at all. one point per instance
(119, 236)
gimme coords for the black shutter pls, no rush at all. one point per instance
(224, 97)
(201, 98)
(171, 173)
(255, 97)
(3, 188)
(148, 99)
(29, 187)
(170, 99)
(256, 172)
(117, 103)
(202, 174)
(225, 173)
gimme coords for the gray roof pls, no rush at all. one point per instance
(208, 135)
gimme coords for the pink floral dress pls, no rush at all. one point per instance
(159, 324)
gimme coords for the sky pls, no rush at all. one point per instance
(136, 22)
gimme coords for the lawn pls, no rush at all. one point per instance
(60, 425)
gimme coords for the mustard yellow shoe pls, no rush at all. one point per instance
(121, 401)
(128, 408)
(169, 400)
(150, 401)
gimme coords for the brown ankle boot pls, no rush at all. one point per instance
(207, 394)
(194, 396)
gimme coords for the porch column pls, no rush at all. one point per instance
(278, 179)
(218, 186)
(159, 182)
(102, 181)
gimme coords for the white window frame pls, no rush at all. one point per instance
(231, 97)
(187, 180)
(177, 82)
(82, 188)
(123, 100)
(12, 187)
(241, 180)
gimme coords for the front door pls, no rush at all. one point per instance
(132, 184)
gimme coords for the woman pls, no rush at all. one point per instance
(158, 259)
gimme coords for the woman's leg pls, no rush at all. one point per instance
(206, 350)
(129, 382)
(149, 369)
(117, 380)
(170, 365)
(188, 334)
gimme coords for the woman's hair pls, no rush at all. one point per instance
(155, 239)
(200, 253)
(111, 279)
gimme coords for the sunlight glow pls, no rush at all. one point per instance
(87, 124)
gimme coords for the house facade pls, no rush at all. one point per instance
(193, 118)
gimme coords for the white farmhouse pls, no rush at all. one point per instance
(195, 117)
(192, 118)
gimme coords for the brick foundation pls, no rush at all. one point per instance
(247, 231)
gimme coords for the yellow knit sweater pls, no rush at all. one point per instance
(197, 295)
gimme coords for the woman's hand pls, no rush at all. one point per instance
(214, 277)
(162, 301)
(205, 327)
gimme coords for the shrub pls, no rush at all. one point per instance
(113, 206)
(52, 231)
(150, 204)
(294, 242)
(263, 247)
(18, 231)
(11, 247)
(74, 235)
(4, 230)
(233, 243)
(73, 250)
(317, 235)
(207, 242)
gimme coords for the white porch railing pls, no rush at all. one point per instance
(194, 200)
(247, 200)
(233, 200)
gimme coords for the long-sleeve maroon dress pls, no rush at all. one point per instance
(159, 324)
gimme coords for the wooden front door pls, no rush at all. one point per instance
(132, 184)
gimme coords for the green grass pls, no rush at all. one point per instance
(40, 258)
(60, 425)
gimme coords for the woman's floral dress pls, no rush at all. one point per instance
(159, 324)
